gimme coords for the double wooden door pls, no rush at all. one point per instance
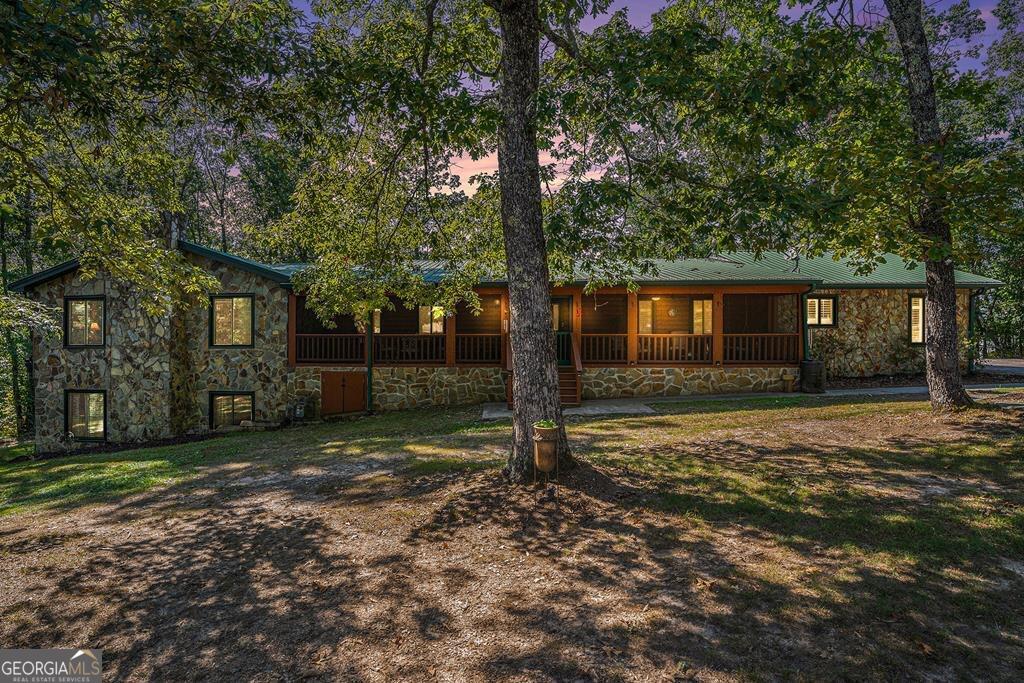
(342, 392)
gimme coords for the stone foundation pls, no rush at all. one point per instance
(625, 382)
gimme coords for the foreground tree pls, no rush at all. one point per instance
(532, 341)
(942, 353)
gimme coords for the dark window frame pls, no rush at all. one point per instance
(252, 320)
(215, 394)
(67, 414)
(835, 311)
(910, 319)
(68, 300)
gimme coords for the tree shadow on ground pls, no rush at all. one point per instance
(719, 559)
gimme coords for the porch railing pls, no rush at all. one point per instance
(330, 348)
(478, 348)
(761, 348)
(408, 349)
(604, 348)
(674, 348)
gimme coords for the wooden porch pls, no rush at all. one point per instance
(654, 326)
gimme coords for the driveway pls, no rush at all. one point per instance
(1002, 366)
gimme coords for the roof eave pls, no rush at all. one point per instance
(42, 276)
(235, 261)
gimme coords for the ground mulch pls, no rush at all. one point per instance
(361, 573)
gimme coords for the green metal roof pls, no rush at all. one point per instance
(823, 272)
(243, 263)
(893, 273)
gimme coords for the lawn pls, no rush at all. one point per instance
(796, 538)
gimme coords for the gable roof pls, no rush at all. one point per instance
(823, 272)
(268, 271)
(43, 275)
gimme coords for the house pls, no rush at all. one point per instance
(727, 324)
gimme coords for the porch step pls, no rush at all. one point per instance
(568, 387)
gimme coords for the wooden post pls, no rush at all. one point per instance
(577, 317)
(292, 322)
(718, 327)
(504, 329)
(632, 325)
(449, 340)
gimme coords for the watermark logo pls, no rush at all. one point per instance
(54, 665)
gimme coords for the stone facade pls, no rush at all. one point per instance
(262, 369)
(871, 336)
(132, 367)
(399, 388)
(158, 372)
(625, 382)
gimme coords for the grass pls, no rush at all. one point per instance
(767, 538)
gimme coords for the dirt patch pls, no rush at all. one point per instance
(789, 548)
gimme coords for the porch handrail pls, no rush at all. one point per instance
(478, 347)
(330, 348)
(766, 347)
(407, 349)
(675, 347)
(577, 361)
(610, 347)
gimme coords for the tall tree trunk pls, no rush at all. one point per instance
(27, 258)
(9, 341)
(941, 340)
(534, 367)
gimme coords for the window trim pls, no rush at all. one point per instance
(835, 311)
(910, 319)
(67, 414)
(67, 321)
(214, 394)
(252, 320)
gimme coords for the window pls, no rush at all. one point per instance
(702, 316)
(230, 408)
(231, 320)
(84, 321)
(674, 314)
(917, 320)
(821, 311)
(85, 414)
(645, 322)
(431, 320)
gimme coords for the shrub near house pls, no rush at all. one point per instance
(726, 324)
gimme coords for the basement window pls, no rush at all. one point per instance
(821, 311)
(231, 408)
(85, 414)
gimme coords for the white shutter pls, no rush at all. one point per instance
(812, 311)
(825, 312)
(916, 320)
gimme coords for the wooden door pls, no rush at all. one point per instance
(342, 392)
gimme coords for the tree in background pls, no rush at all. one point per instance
(87, 95)
(735, 127)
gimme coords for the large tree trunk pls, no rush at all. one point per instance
(534, 367)
(12, 345)
(941, 339)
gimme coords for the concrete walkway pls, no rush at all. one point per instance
(641, 405)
